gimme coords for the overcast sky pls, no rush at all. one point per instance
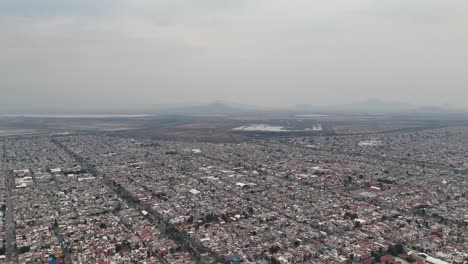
(264, 52)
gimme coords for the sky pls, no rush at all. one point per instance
(90, 54)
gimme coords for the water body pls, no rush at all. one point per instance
(73, 116)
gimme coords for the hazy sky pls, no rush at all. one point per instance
(265, 52)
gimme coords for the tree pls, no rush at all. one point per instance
(274, 249)
(395, 249)
(357, 224)
(391, 250)
(225, 218)
(350, 215)
(245, 214)
(190, 219)
(399, 248)
(118, 248)
(3, 250)
(24, 249)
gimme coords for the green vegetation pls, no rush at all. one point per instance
(350, 215)
(357, 224)
(3, 250)
(274, 249)
(24, 249)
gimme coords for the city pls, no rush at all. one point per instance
(233, 131)
(384, 198)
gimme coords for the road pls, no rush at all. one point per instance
(52, 201)
(201, 253)
(65, 252)
(10, 235)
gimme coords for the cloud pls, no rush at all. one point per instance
(272, 52)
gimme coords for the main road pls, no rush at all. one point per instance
(200, 253)
(10, 236)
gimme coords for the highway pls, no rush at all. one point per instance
(52, 201)
(199, 252)
(10, 236)
(66, 253)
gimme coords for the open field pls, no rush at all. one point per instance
(223, 128)
(17, 132)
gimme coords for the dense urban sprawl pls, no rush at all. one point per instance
(390, 198)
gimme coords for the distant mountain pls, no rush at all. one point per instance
(214, 108)
(231, 108)
(228, 108)
(379, 105)
(432, 108)
(368, 106)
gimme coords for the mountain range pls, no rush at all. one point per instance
(217, 108)
(371, 106)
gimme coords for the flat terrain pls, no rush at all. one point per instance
(222, 128)
(194, 189)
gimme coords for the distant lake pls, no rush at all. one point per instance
(73, 116)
